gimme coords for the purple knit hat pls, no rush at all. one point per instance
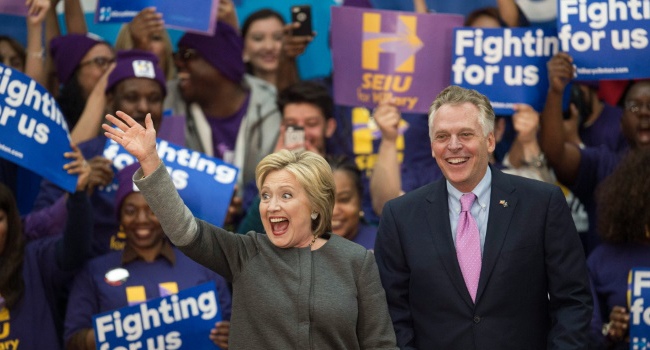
(68, 50)
(125, 186)
(223, 50)
(136, 64)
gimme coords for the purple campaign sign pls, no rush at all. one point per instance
(400, 54)
(13, 7)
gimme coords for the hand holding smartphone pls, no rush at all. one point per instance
(294, 138)
(301, 14)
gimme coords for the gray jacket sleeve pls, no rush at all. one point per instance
(224, 252)
(374, 328)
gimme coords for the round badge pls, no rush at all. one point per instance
(115, 277)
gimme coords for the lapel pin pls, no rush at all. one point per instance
(504, 203)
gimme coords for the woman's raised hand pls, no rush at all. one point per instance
(137, 140)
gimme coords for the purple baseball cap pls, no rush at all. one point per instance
(136, 64)
(125, 186)
(223, 50)
(68, 50)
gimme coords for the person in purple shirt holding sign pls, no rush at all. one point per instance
(148, 267)
(136, 85)
(624, 226)
(582, 169)
(34, 277)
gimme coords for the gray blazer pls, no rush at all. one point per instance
(294, 298)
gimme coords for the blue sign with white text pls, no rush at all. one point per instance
(190, 15)
(508, 65)
(33, 132)
(638, 296)
(178, 321)
(608, 39)
(204, 183)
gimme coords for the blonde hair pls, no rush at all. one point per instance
(314, 175)
(124, 41)
(456, 95)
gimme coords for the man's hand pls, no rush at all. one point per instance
(560, 71)
(526, 123)
(387, 117)
(219, 334)
(144, 25)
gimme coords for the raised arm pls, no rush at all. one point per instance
(75, 22)
(74, 248)
(562, 155)
(91, 118)
(219, 250)
(386, 182)
(38, 10)
(292, 47)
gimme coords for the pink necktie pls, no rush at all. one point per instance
(468, 245)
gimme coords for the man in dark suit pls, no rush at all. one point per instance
(481, 259)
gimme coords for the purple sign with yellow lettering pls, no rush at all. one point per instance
(400, 54)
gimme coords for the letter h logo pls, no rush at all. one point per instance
(403, 44)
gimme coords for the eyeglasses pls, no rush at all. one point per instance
(186, 55)
(635, 107)
(101, 62)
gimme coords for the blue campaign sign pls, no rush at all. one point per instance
(33, 132)
(638, 292)
(204, 183)
(178, 321)
(190, 15)
(639, 299)
(508, 65)
(608, 39)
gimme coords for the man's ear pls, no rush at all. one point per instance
(330, 127)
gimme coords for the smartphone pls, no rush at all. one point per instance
(294, 136)
(301, 14)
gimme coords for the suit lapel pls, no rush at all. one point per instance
(440, 228)
(498, 223)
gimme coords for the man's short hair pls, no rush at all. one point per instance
(307, 92)
(456, 95)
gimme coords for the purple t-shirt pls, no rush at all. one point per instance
(609, 266)
(606, 130)
(596, 163)
(224, 132)
(31, 323)
(91, 294)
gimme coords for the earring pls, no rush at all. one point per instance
(361, 213)
(314, 215)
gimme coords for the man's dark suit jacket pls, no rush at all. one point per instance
(533, 291)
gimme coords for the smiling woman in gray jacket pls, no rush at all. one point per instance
(298, 286)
